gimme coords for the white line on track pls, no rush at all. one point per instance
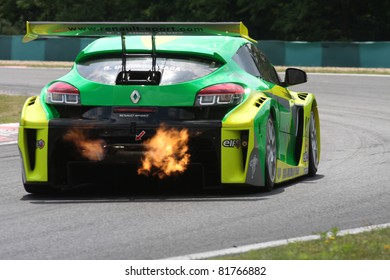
(257, 246)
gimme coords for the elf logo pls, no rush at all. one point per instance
(231, 143)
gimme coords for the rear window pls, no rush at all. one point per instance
(173, 70)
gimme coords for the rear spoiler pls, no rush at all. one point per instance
(96, 29)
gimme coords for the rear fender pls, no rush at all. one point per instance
(309, 104)
(33, 140)
(243, 139)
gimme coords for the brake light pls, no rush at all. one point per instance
(220, 94)
(63, 93)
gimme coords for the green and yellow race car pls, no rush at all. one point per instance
(165, 100)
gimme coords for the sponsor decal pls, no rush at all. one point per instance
(139, 136)
(290, 172)
(231, 143)
(306, 153)
(252, 165)
(307, 125)
(40, 144)
(139, 66)
(305, 157)
(134, 115)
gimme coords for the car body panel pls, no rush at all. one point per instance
(33, 139)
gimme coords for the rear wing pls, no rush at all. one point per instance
(97, 29)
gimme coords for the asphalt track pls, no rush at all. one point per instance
(152, 222)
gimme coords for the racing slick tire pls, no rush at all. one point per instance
(270, 155)
(313, 146)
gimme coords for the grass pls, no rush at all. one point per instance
(32, 63)
(371, 245)
(10, 107)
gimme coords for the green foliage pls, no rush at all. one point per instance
(372, 245)
(310, 20)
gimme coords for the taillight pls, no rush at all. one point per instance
(63, 93)
(220, 94)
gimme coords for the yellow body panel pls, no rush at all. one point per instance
(286, 172)
(232, 169)
(243, 115)
(241, 119)
(37, 121)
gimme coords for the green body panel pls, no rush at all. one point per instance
(183, 94)
(284, 123)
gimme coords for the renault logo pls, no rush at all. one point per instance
(135, 96)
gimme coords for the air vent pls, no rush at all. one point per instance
(303, 95)
(32, 101)
(260, 101)
(31, 136)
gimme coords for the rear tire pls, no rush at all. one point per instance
(313, 146)
(270, 155)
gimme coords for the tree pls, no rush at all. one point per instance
(309, 20)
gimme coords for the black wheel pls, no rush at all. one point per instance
(270, 155)
(313, 146)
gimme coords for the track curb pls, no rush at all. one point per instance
(8, 133)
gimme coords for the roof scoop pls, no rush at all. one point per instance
(130, 77)
(138, 78)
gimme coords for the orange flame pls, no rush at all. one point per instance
(90, 149)
(166, 153)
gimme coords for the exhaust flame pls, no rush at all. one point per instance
(166, 153)
(90, 149)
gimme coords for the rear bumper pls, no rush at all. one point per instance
(123, 150)
(215, 147)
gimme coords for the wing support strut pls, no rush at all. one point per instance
(129, 77)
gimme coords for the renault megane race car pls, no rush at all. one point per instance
(160, 99)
